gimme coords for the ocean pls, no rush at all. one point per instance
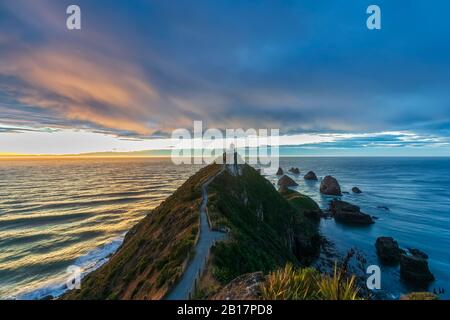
(416, 192)
(55, 213)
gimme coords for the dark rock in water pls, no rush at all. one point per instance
(294, 170)
(310, 176)
(345, 212)
(383, 208)
(418, 253)
(286, 181)
(356, 190)
(330, 186)
(280, 172)
(388, 250)
(244, 287)
(414, 269)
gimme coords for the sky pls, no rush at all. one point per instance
(139, 69)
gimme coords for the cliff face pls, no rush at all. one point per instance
(266, 230)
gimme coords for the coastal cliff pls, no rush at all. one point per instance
(265, 230)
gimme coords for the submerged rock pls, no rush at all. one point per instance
(345, 212)
(330, 186)
(388, 250)
(294, 170)
(280, 172)
(286, 181)
(356, 190)
(414, 269)
(310, 176)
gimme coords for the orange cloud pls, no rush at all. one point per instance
(95, 89)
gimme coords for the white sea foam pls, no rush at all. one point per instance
(88, 263)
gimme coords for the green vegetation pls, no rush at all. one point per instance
(307, 212)
(155, 251)
(309, 284)
(263, 225)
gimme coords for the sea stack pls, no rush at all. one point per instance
(280, 172)
(348, 213)
(414, 269)
(330, 186)
(310, 176)
(286, 181)
(356, 190)
(388, 250)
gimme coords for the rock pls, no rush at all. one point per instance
(388, 250)
(244, 287)
(286, 181)
(280, 172)
(415, 269)
(356, 190)
(294, 170)
(330, 186)
(345, 212)
(310, 176)
(419, 296)
(418, 253)
(48, 297)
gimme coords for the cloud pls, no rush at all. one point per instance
(83, 88)
(145, 67)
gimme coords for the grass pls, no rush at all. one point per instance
(290, 283)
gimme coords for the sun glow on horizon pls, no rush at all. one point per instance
(46, 142)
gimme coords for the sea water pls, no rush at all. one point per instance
(60, 212)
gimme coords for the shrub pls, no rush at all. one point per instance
(309, 284)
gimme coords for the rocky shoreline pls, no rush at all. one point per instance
(412, 262)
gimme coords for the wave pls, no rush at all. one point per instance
(57, 286)
(78, 204)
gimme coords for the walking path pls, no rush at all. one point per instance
(207, 237)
